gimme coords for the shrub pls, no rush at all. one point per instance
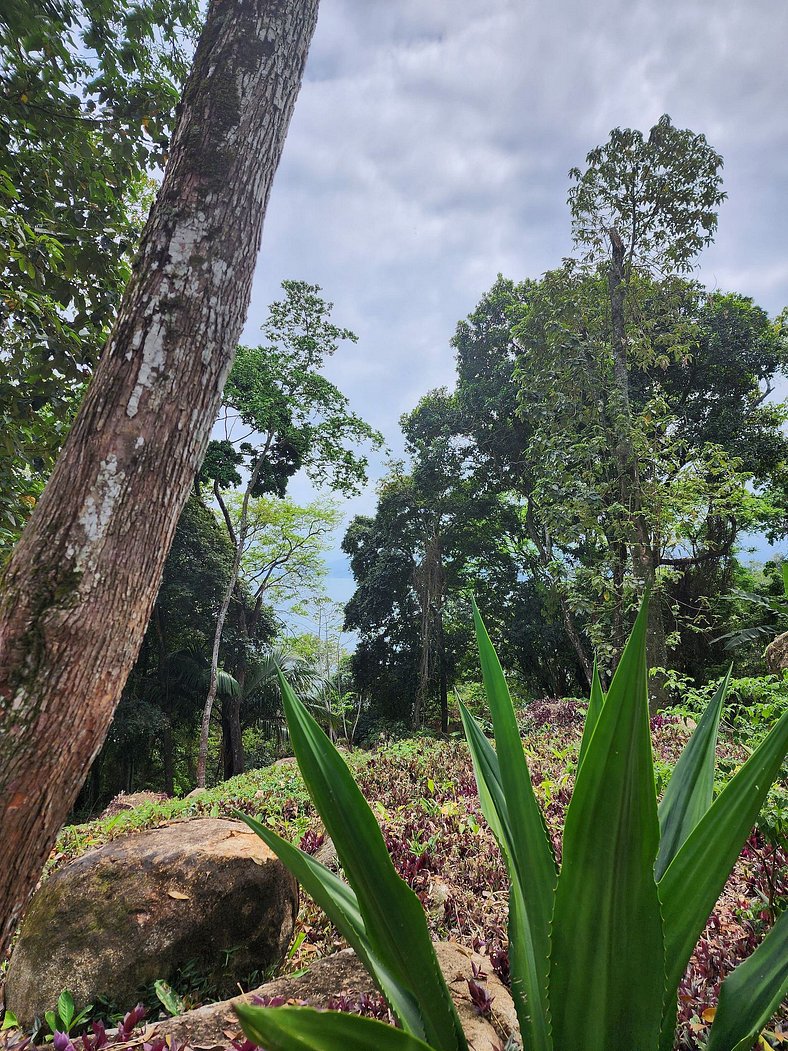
(597, 949)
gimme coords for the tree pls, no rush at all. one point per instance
(298, 418)
(633, 465)
(689, 491)
(642, 206)
(281, 567)
(88, 90)
(439, 532)
(282, 563)
(79, 588)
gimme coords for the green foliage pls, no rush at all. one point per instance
(772, 613)
(305, 1028)
(277, 396)
(282, 561)
(172, 1003)
(661, 193)
(439, 530)
(752, 704)
(65, 1017)
(607, 932)
(88, 90)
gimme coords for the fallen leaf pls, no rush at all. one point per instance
(178, 895)
(708, 1014)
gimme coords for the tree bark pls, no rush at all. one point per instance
(78, 591)
(444, 675)
(644, 558)
(232, 736)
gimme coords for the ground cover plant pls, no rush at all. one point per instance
(424, 796)
(613, 928)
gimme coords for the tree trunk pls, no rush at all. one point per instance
(232, 734)
(232, 584)
(232, 741)
(546, 558)
(444, 677)
(168, 757)
(78, 591)
(644, 559)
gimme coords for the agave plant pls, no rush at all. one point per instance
(597, 948)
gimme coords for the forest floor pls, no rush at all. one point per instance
(424, 794)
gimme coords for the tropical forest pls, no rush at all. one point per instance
(393, 526)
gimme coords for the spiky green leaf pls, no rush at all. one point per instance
(340, 904)
(691, 786)
(607, 945)
(528, 973)
(595, 702)
(694, 879)
(526, 844)
(304, 1029)
(394, 921)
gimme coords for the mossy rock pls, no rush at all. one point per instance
(207, 892)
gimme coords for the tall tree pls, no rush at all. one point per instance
(642, 205)
(78, 590)
(281, 568)
(277, 395)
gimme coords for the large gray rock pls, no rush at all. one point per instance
(208, 893)
(213, 1026)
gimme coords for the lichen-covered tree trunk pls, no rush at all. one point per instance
(78, 591)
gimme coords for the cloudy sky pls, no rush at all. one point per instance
(430, 147)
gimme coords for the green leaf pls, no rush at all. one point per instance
(691, 786)
(752, 993)
(65, 1008)
(340, 904)
(173, 1004)
(10, 1021)
(529, 974)
(785, 578)
(608, 953)
(595, 702)
(694, 879)
(519, 825)
(392, 914)
(304, 1029)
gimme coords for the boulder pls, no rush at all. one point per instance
(342, 974)
(206, 893)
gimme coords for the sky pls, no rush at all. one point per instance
(429, 152)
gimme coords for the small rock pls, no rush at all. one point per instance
(206, 892)
(326, 854)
